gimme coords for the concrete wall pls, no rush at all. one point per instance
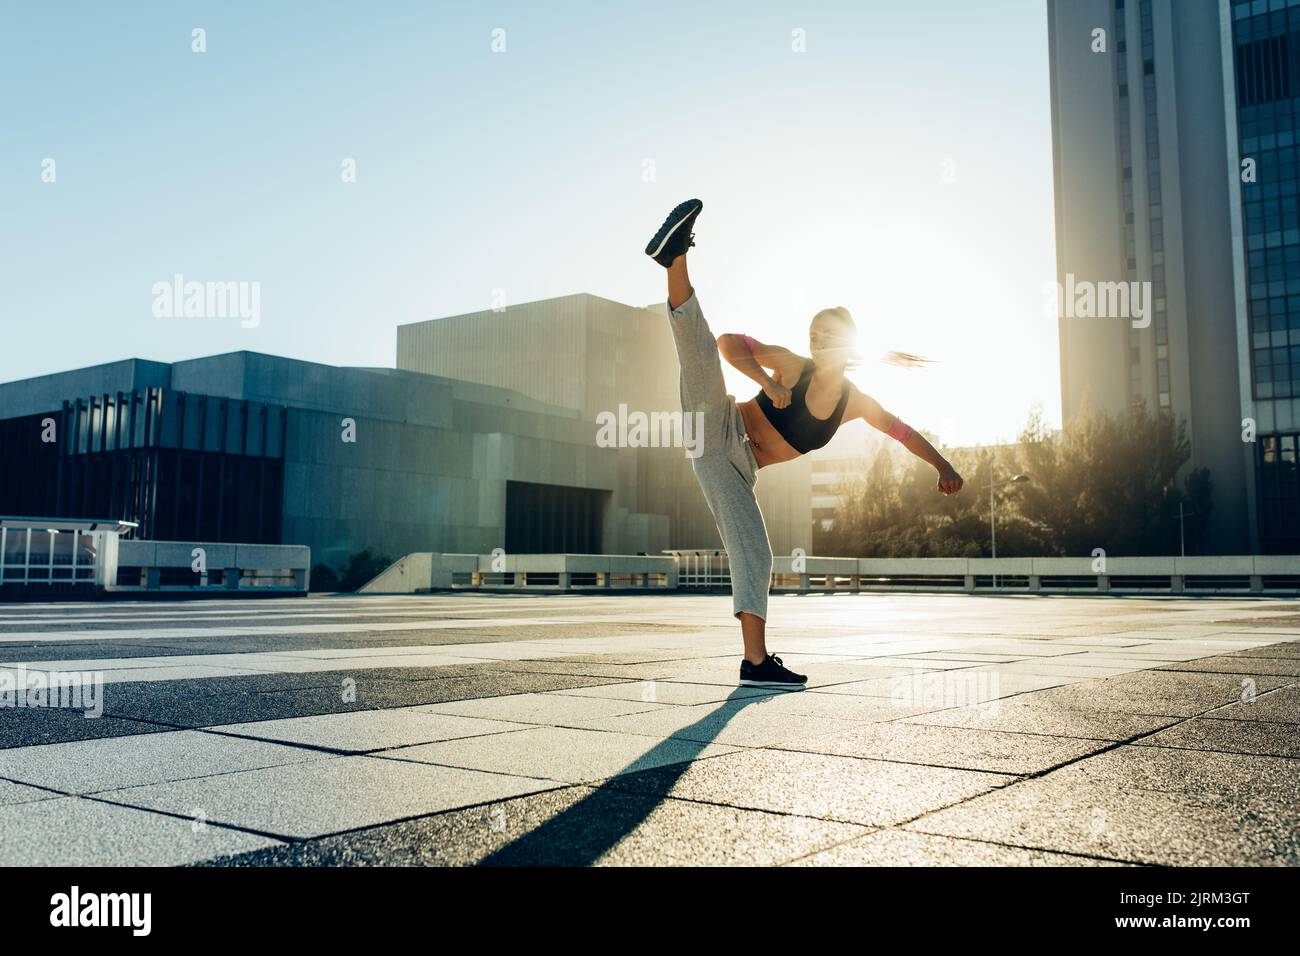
(47, 393)
(430, 461)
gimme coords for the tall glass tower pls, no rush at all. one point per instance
(1261, 88)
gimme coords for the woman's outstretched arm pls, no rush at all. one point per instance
(753, 358)
(867, 408)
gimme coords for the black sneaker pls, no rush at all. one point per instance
(674, 236)
(770, 673)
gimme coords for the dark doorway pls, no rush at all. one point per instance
(553, 519)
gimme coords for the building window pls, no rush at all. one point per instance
(1279, 494)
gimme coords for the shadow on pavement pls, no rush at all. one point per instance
(597, 823)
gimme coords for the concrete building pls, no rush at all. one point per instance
(592, 355)
(253, 448)
(1148, 125)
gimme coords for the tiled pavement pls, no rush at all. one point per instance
(479, 729)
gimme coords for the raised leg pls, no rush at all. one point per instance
(679, 283)
(703, 391)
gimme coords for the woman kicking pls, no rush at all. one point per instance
(802, 403)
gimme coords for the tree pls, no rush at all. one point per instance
(1103, 482)
(1110, 482)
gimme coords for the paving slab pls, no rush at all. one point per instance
(667, 692)
(11, 792)
(1287, 651)
(1139, 826)
(994, 751)
(1281, 705)
(1029, 715)
(743, 722)
(966, 685)
(857, 709)
(617, 672)
(1260, 737)
(1278, 666)
(367, 730)
(1065, 667)
(914, 664)
(847, 789)
(559, 753)
(326, 796)
(74, 831)
(905, 848)
(1272, 782)
(174, 704)
(574, 826)
(550, 709)
(89, 766)
(1159, 693)
(31, 727)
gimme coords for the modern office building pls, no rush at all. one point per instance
(1155, 106)
(1264, 42)
(253, 448)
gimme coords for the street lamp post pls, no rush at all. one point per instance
(993, 527)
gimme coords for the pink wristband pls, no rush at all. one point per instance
(899, 431)
(749, 343)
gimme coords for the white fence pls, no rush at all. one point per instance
(58, 553)
(72, 557)
(219, 569)
(426, 571)
(1245, 574)
(709, 570)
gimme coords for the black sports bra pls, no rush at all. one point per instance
(795, 423)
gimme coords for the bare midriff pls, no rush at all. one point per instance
(766, 442)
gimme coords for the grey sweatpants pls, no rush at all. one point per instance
(726, 468)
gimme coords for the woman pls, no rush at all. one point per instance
(802, 403)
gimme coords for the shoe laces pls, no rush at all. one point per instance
(776, 660)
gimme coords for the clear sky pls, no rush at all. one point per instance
(900, 166)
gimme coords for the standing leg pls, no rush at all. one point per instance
(728, 484)
(753, 631)
(725, 468)
(729, 491)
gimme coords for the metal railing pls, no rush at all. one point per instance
(429, 571)
(708, 570)
(1229, 574)
(58, 552)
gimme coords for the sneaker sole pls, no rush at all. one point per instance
(674, 222)
(773, 683)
